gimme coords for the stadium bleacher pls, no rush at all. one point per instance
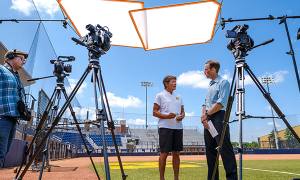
(97, 138)
(76, 140)
(73, 138)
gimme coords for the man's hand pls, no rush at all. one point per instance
(203, 118)
(205, 124)
(171, 116)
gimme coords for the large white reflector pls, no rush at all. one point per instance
(113, 14)
(176, 25)
(150, 28)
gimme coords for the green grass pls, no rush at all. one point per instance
(259, 170)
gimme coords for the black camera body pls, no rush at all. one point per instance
(240, 42)
(60, 67)
(98, 38)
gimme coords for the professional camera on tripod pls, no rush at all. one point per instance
(59, 66)
(240, 42)
(97, 40)
(239, 45)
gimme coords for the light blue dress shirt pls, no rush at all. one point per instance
(217, 92)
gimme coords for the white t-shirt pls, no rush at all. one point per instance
(169, 103)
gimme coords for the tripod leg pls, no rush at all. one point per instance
(57, 119)
(226, 119)
(79, 130)
(53, 114)
(270, 100)
(95, 80)
(44, 117)
(112, 129)
(240, 110)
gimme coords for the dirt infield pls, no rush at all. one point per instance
(77, 168)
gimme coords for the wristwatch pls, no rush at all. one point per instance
(206, 113)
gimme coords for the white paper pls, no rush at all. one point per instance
(212, 130)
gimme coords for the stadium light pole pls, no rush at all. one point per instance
(270, 80)
(146, 84)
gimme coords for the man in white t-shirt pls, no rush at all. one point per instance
(168, 107)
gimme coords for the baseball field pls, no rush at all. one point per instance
(276, 166)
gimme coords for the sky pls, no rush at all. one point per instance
(124, 68)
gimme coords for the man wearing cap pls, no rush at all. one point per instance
(168, 107)
(11, 91)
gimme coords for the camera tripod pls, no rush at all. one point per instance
(53, 107)
(239, 91)
(100, 116)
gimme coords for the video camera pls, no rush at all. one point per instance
(240, 42)
(60, 67)
(98, 38)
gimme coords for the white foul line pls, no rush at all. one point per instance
(252, 169)
(271, 171)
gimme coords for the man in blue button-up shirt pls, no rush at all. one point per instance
(214, 110)
(11, 91)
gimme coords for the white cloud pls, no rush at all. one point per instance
(137, 121)
(153, 123)
(43, 6)
(77, 111)
(268, 107)
(197, 79)
(278, 75)
(248, 80)
(276, 124)
(115, 101)
(258, 128)
(24, 6)
(73, 83)
(227, 75)
(189, 114)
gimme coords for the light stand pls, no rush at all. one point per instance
(239, 90)
(146, 84)
(282, 20)
(270, 80)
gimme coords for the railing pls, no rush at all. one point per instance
(56, 138)
(143, 126)
(156, 127)
(91, 141)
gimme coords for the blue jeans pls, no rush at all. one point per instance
(7, 134)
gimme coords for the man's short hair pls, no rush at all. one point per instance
(167, 79)
(214, 64)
